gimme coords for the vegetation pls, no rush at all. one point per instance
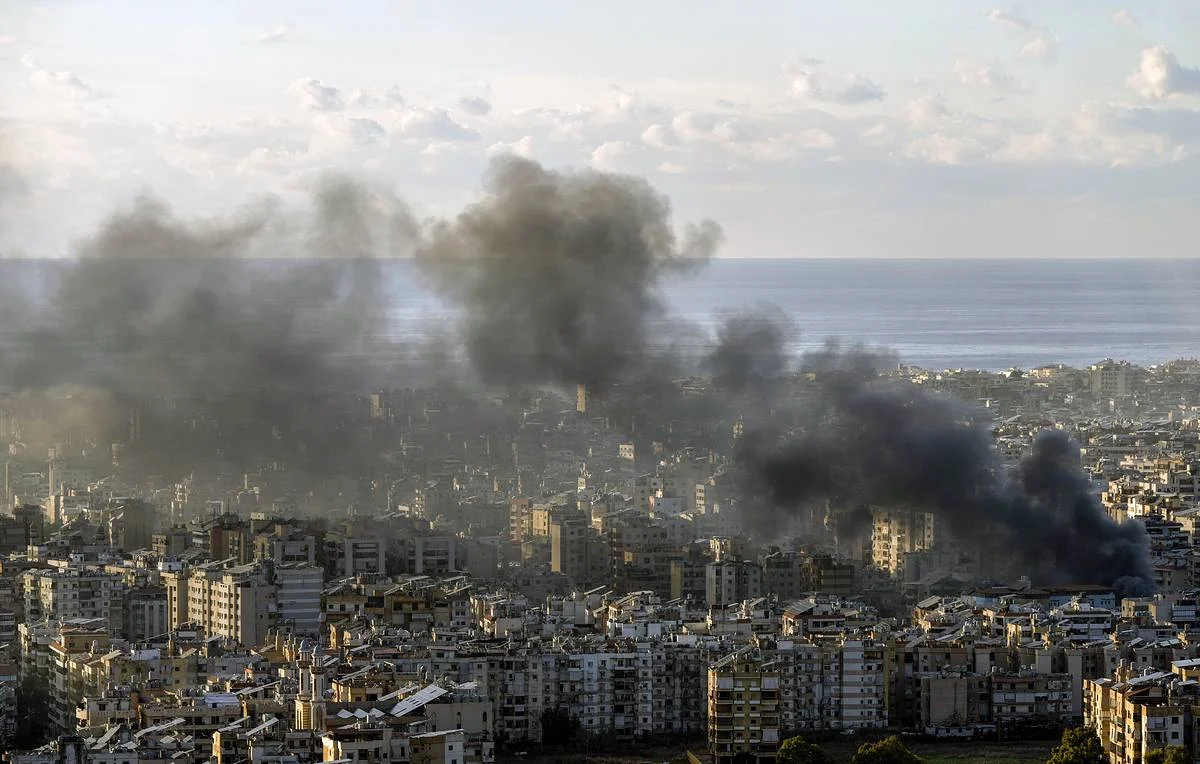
(890, 750)
(1172, 754)
(797, 750)
(33, 715)
(559, 728)
(1080, 745)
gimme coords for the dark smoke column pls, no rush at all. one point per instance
(557, 274)
(866, 443)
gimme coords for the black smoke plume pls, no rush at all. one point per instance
(864, 441)
(751, 350)
(557, 275)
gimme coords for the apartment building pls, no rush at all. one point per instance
(237, 602)
(743, 708)
(898, 533)
(731, 580)
(71, 593)
(1134, 713)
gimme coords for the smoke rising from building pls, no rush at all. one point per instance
(557, 275)
(266, 298)
(557, 279)
(751, 350)
(864, 442)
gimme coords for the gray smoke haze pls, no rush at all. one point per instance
(866, 442)
(266, 298)
(751, 350)
(557, 278)
(558, 274)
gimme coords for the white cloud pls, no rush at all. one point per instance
(660, 137)
(64, 83)
(1160, 75)
(789, 145)
(843, 87)
(270, 162)
(1039, 44)
(1128, 19)
(611, 156)
(692, 126)
(475, 106)
(979, 73)
(282, 33)
(878, 134)
(926, 112)
(435, 124)
(316, 95)
(522, 147)
(8, 39)
(671, 168)
(368, 98)
(341, 132)
(941, 148)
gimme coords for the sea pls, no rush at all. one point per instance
(944, 314)
(936, 314)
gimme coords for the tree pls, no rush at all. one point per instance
(1172, 754)
(33, 715)
(797, 750)
(558, 727)
(887, 751)
(1079, 745)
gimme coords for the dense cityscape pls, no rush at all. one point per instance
(599, 383)
(476, 577)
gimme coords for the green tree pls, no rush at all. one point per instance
(1079, 745)
(1172, 754)
(797, 750)
(887, 751)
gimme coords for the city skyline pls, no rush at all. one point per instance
(858, 129)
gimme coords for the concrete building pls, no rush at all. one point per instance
(1134, 713)
(236, 602)
(298, 597)
(730, 581)
(898, 533)
(743, 709)
(71, 593)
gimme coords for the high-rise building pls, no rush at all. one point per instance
(743, 709)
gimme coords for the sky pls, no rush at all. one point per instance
(813, 128)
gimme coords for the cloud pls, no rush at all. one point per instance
(941, 148)
(1039, 44)
(692, 126)
(1128, 19)
(435, 124)
(983, 74)
(63, 83)
(316, 95)
(611, 156)
(1160, 75)
(8, 39)
(475, 106)
(368, 98)
(843, 88)
(660, 137)
(522, 147)
(926, 112)
(282, 33)
(341, 132)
